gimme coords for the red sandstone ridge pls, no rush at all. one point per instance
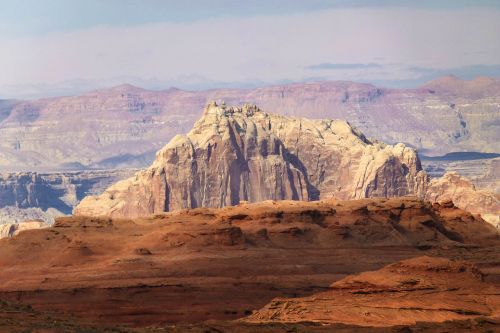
(419, 289)
(199, 264)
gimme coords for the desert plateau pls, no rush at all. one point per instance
(264, 166)
(223, 264)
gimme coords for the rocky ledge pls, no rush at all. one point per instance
(421, 289)
(464, 194)
(12, 229)
(206, 263)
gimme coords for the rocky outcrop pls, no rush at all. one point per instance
(14, 215)
(490, 179)
(237, 154)
(461, 191)
(59, 191)
(125, 125)
(220, 264)
(14, 219)
(484, 173)
(419, 289)
(26, 196)
(12, 229)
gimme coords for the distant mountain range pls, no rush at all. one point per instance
(123, 126)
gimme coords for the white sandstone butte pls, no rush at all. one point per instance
(235, 154)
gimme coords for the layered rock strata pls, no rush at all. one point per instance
(125, 125)
(237, 154)
(12, 229)
(464, 194)
(58, 190)
(420, 289)
(200, 264)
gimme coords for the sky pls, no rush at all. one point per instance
(65, 47)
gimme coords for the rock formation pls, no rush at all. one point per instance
(490, 179)
(420, 289)
(484, 173)
(13, 215)
(125, 125)
(237, 154)
(12, 229)
(453, 187)
(43, 196)
(14, 219)
(200, 264)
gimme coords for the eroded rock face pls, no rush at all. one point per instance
(29, 196)
(234, 154)
(491, 178)
(419, 289)
(12, 229)
(206, 263)
(52, 191)
(483, 173)
(463, 193)
(13, 215)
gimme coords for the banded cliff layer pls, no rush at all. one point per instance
(237, 154)
(125, 125)
(421, 289)
(12, 229)
(60, 191)
(464, 194)
(41, 197)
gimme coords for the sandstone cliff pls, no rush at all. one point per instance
(490, 179)
(483, 172)
(12, 229)
(61, 191)
(14, 215)
(26, 196)
(419, 289)
(244, 154)
(460, 190)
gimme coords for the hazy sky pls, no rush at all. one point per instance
(53, 47)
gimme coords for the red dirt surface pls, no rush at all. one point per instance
(421, 289)
(222, 264)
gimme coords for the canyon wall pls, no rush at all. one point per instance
(60, 191)
(464, 194)
(31, 196)
(123, 126)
